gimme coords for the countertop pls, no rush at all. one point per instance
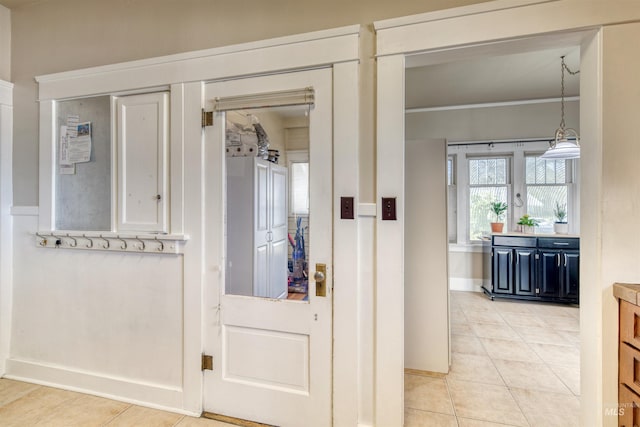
(516, 233)
(629, 292)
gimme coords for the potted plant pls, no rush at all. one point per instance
(560, 226)
(498, 208)
(527, 223)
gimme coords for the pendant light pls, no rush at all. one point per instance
(566, 144)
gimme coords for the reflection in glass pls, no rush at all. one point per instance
(267, 203)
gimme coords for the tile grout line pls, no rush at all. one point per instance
(505, 382)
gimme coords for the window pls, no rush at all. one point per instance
(452, 200)
(488, 179)
(546, 182)
(511, 172)
(298, 182)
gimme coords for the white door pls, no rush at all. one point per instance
(271, 356)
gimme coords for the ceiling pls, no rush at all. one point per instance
(530, 75)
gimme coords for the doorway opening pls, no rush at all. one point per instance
(487, 119)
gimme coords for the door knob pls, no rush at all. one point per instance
(320, 277)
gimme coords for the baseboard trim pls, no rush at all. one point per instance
(464, 284)
(138, 393)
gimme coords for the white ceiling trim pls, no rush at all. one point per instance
(303, 51)
(489, 104)
(473, 9)
(204, 53)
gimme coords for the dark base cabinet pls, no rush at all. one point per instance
(532, 268)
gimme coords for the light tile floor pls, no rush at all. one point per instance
(24, 405)
(514, 363)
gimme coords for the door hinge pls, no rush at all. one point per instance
(207, 118)
(207, 363)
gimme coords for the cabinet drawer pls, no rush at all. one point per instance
(630, 323)
(630, 367)
(514, 241)
(558, 243)
(628, 408)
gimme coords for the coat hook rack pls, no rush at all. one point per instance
(122, 242)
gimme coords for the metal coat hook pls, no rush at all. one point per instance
(161, 248)
(75, 242)
(106, 244)
(43, 241)
(89, 240)
(124, 242)
(142, 245)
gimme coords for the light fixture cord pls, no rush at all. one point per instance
(563, 67)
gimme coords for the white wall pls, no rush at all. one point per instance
(114, 317)
(426, 289)
(6, 224)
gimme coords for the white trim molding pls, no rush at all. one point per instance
(315, 49)
(483, 30)
(6, 221)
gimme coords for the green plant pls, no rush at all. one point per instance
(498, 208)
(526, 220)
(560, 212)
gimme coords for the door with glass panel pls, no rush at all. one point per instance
(268, 304)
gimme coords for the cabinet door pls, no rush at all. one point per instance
(571, 274)
(143, 133)
(262, 236)
(525, 271)
(502, 270)
(549, 273)
(278, 232)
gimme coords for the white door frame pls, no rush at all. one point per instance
(184, 75)
(6, 220)
(481, 26)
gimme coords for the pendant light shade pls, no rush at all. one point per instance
(566, 144)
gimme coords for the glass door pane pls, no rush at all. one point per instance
(267, 203)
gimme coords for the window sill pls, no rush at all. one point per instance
(466, 247)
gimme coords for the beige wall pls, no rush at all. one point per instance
(64, 35)
(5, 44)
(620, 198)
(466, 265)
(518, 121)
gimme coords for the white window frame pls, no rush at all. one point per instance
(570, 180)
(517, 150)
(509, 179)
(295, 156)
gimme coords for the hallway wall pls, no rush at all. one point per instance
(102, 33)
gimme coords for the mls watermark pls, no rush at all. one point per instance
(618, 409)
